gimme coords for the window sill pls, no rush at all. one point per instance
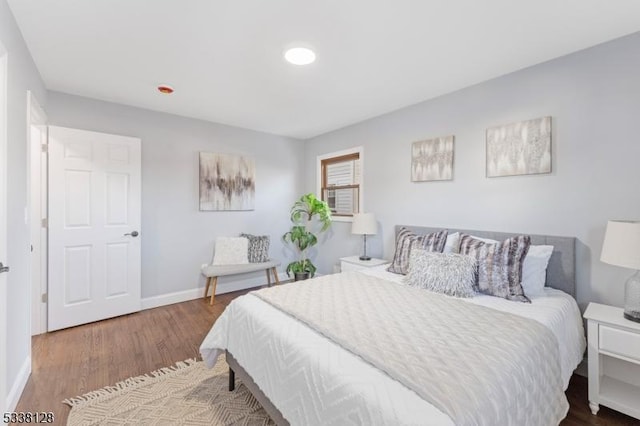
(342, 218)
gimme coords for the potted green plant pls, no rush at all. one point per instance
(305, 213)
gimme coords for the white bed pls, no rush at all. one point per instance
(302, 377)
(312, 380)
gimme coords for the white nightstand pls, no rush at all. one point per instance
(614, 360)
(353, 263)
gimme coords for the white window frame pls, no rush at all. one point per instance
(355, 150)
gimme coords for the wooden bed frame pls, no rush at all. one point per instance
(560, 275)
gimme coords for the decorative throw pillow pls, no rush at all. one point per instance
(407, 241)
(447, 273)
(499, 265)
(534, 267)
(258, 248)
(534, 270)
(231, 251)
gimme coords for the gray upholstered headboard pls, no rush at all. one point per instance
(561, 272)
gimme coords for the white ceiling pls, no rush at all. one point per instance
(224, 58)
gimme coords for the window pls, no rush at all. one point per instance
(340, 182)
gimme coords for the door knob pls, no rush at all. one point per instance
(133, 234)
(3, 268)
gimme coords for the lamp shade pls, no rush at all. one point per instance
(364, 224)
(621, 245)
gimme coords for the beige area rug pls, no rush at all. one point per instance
(187, 394)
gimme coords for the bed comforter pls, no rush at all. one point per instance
(477, 365)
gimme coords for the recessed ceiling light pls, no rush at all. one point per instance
(165, 89)
(300, 56)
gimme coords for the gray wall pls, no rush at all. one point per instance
(176, 237)
(22, 76)
(594, 99)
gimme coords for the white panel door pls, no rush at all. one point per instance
(94, 225)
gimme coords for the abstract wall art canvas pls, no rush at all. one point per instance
(522, 148)
(432, 159)
(227, 182)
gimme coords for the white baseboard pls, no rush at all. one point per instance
(18, 385)
(171, 298)
(196, 293)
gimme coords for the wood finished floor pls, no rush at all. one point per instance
(74, 361)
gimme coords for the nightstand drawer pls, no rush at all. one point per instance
(620, 342)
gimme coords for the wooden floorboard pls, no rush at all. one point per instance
(74, 361)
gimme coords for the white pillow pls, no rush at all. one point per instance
(534, 270)
(451, 245)
(231, 251)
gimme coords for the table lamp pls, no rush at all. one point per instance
(364, 224)
(621, 247)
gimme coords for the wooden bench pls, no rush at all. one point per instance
(212, 272)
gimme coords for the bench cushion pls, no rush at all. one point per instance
(222, 270)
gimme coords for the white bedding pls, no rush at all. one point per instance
(314, 381)
(554, 308)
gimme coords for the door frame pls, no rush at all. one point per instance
(37, 183)
(3, 225)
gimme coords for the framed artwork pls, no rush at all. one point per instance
(227, 182)
(522, 148)
(432, 159)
